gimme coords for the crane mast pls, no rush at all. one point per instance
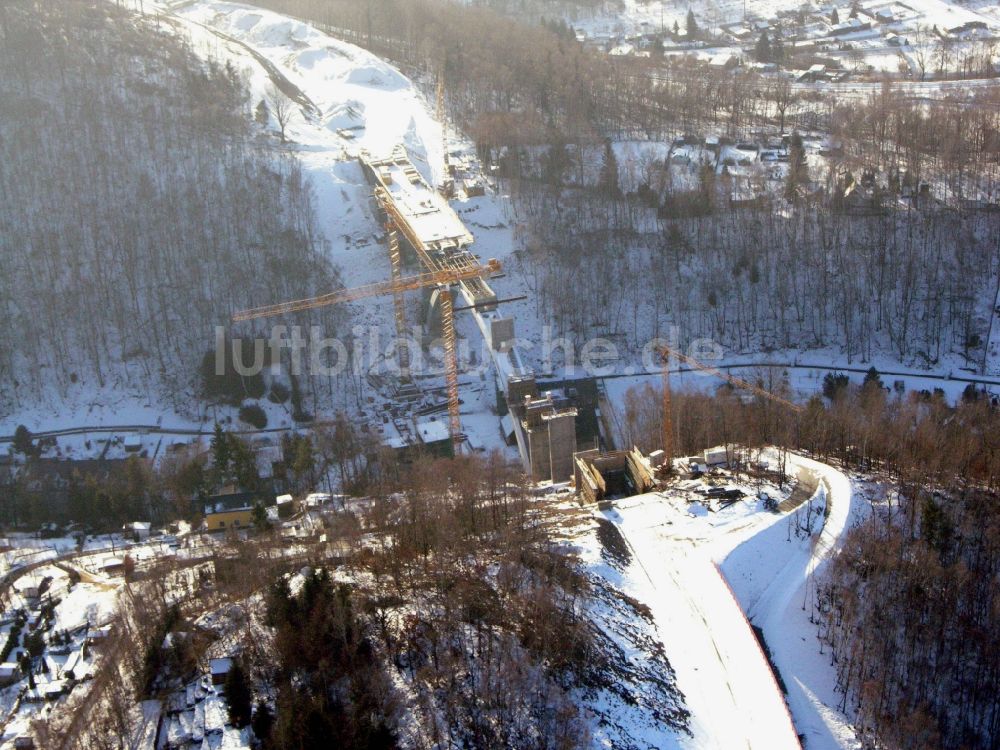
(448, 186)
(442, 278)
(668, 422)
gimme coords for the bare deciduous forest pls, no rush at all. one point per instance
(125, 239)
(760, 280)
(896, 281)
(910, 615)
(138, 206)
(462, 624)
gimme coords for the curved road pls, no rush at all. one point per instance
(791, 637)
(730, 689)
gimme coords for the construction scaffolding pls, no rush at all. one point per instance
(545, 432)
(437, 235)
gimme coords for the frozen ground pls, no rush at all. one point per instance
(703, 573)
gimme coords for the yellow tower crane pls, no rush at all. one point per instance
(668, 426)
(442, 278)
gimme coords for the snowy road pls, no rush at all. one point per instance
(779, 612)
(728, 686)
(703, 582)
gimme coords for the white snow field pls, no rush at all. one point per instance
(704, 575)
(342, 86)
(328, 86)
(345, 101)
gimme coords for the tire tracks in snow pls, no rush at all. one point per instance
(729, 686)
(279, 79)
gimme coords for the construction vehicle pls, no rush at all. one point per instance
(668, 424)
(442, 278)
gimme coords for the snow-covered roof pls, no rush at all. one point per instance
(432, 430)
(721, 60)
(101, 632)
(232, 501)
(507, 423)
(220, 666)
(215, 713)
(9, 668)
(392, 437)
(72, 663)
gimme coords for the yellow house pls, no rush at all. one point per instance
(231, 510)
(230, 519)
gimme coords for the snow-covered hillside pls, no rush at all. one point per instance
(139, 207)
(333, 87)
(342, 100)
(348, 102)
(336, 101)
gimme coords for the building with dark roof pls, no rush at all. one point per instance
(233, 509)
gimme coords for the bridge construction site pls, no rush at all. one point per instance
(422, 229)
(421, 224)
(544, 429)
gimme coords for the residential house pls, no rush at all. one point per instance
(114, 566)
(137, 530)
(233, 509)
(10, 672)
(286, 506)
